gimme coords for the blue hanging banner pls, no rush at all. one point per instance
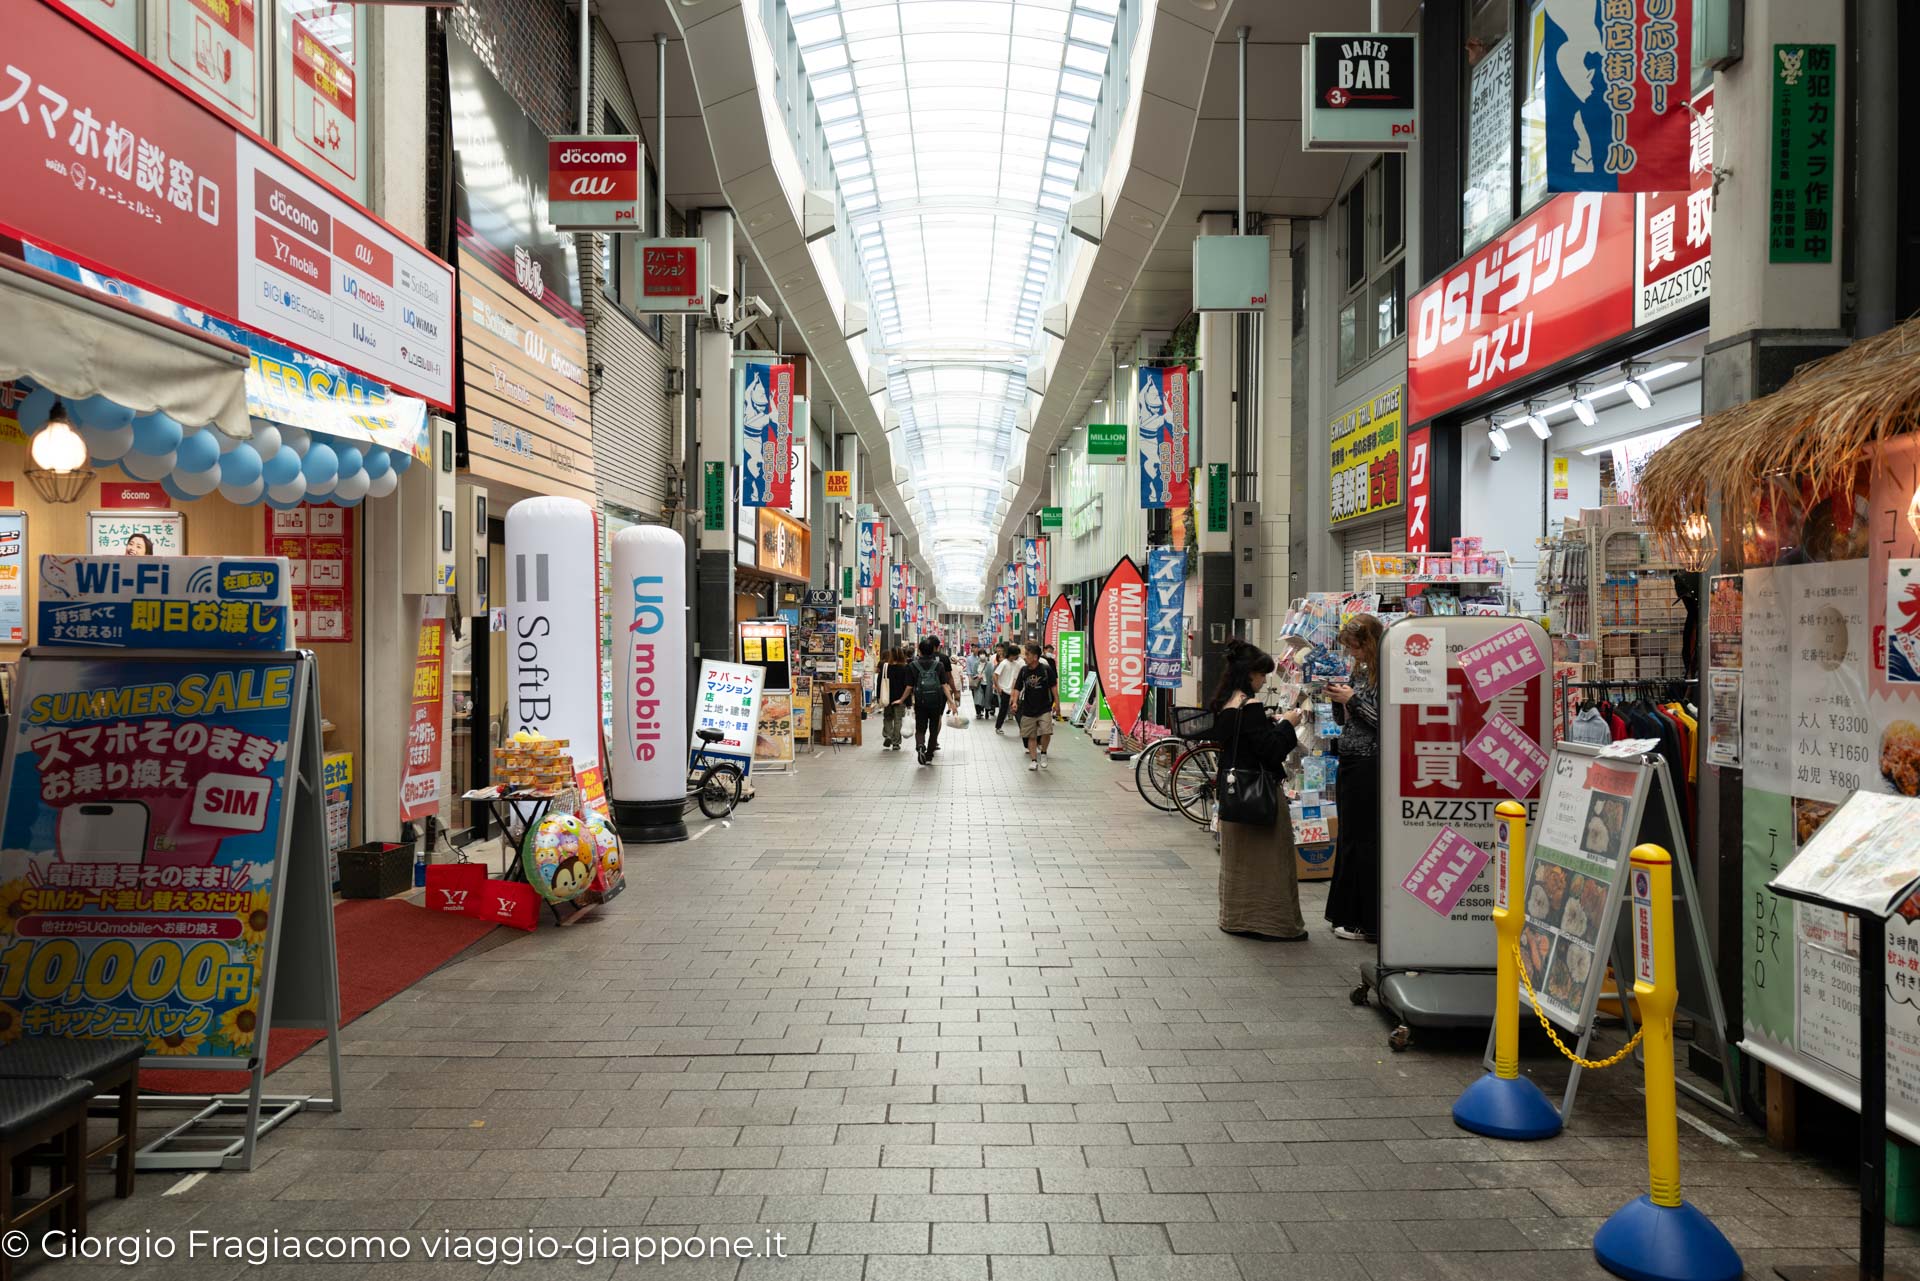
(1166, 615)
(165, 602)
(1618, 78)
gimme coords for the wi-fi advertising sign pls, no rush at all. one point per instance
(593, 182)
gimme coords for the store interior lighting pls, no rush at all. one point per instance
(1539, 424)
(1498, 435)
(1636, 388)
(57, 447)
(1583, 404)
(1645, 379)
(1668, 432)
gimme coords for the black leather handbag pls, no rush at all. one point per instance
(1247, 793)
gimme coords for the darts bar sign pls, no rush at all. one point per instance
(593, 182)
(1360, 91)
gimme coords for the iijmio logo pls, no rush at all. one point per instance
(533, 704)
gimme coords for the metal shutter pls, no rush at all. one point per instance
(1386, 533)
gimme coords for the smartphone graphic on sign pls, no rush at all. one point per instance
(104, 832)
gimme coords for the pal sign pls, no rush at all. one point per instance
(593, 182)
(1360, 92)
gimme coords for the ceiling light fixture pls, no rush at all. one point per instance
(1538, 424)
(1498, 435)
(1636, 386)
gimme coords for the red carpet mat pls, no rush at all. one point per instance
(385, 947)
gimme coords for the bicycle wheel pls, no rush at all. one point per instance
(719, 789)
(1193, 776)
(1153, 772)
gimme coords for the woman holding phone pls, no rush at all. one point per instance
(1259, 879)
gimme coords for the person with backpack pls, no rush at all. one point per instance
(933, 693)
(1034, 684)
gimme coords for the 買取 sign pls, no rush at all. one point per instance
(1360, 90)
(1365, 457)
(165, 602)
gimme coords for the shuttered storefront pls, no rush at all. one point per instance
(1386, 533)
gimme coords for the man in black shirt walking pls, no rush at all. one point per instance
(933, 694)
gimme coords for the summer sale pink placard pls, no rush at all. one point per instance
(1444, 872)
(1508, 754)
(1502, 661)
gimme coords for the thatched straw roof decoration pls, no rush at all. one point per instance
(1816, 430)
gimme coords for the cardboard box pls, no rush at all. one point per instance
(1315, 862)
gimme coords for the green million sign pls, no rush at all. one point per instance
(1106, 442)
(1051, 518)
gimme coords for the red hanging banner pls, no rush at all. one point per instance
(420, 781)
(1120, 642)
(780, 439)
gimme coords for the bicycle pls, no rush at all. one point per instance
(1193, 781)
(1153, 769)
(713, 785)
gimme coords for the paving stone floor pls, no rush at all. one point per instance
(957, 1022)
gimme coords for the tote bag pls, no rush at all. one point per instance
(1248, 793)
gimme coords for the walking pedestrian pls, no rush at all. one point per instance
(1035, 683)
(980, 676)
(1004, 673)
(1259, 878)
(933, 693)
(1353, 900)
(899, 687)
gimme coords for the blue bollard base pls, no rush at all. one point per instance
(1648, 1242)
(1506, 1109)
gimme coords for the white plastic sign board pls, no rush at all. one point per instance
(727, 699)
(1361, 91)
(1427, 784)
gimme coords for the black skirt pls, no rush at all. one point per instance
(1353, 899)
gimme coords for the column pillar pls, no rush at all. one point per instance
(1215, 580)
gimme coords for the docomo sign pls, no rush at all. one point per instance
(1553, 285)
(1120, 642)
(593, 182)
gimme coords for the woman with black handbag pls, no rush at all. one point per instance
(1259, 880)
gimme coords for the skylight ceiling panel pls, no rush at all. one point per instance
(861, 21)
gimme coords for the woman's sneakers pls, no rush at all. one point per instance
(1352, 936)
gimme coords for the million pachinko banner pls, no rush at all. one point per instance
(1059, 619)
(1120, 643)
(139, 848)
(1618, 78)
(1160, 409)
(766, 435)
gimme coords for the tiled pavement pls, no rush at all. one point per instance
(955, 1022)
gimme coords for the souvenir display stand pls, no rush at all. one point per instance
(1614, 600)
(1464, 581)
(1865, 863)
(276, 820)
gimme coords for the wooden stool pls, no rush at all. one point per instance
(32, 1113)
(112, 1065)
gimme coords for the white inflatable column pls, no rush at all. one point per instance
(648, 754)
(553, 628)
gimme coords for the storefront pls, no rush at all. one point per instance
(212, 353)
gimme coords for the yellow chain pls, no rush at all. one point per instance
(1592, 1065)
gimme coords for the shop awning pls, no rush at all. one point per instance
(79, 343)
(1817, 430)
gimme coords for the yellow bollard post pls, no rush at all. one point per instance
(1503, 1104)
(1659, 1237)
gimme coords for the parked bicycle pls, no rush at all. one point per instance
(712, 784)
(1176, 773)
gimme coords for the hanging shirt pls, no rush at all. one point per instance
(1590, 727)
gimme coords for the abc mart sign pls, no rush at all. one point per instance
(593, 182)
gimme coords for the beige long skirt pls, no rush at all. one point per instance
(1259, 881)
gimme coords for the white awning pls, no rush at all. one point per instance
(78, 343)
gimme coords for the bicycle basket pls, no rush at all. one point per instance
(1193, 722)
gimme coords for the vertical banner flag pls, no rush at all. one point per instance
(1059, 619)
(1032, 554)
(1046, 564)
(420, 780)
(879, 552)
(1166, 615)
(766, 431)
(1618, 73)
(1120, 642)
(1161, 409)
(869, 539)
(894, 591)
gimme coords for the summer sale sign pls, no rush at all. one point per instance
(138, 843)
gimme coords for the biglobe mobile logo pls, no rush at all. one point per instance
(648, 618)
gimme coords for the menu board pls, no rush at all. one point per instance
(1580, 845)
(1865, 856)
(763, 643)
(318, 545)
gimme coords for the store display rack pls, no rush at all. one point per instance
(1448, 582)
(1612, 600)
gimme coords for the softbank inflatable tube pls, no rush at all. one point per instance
(648, 752)
(553, 659)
